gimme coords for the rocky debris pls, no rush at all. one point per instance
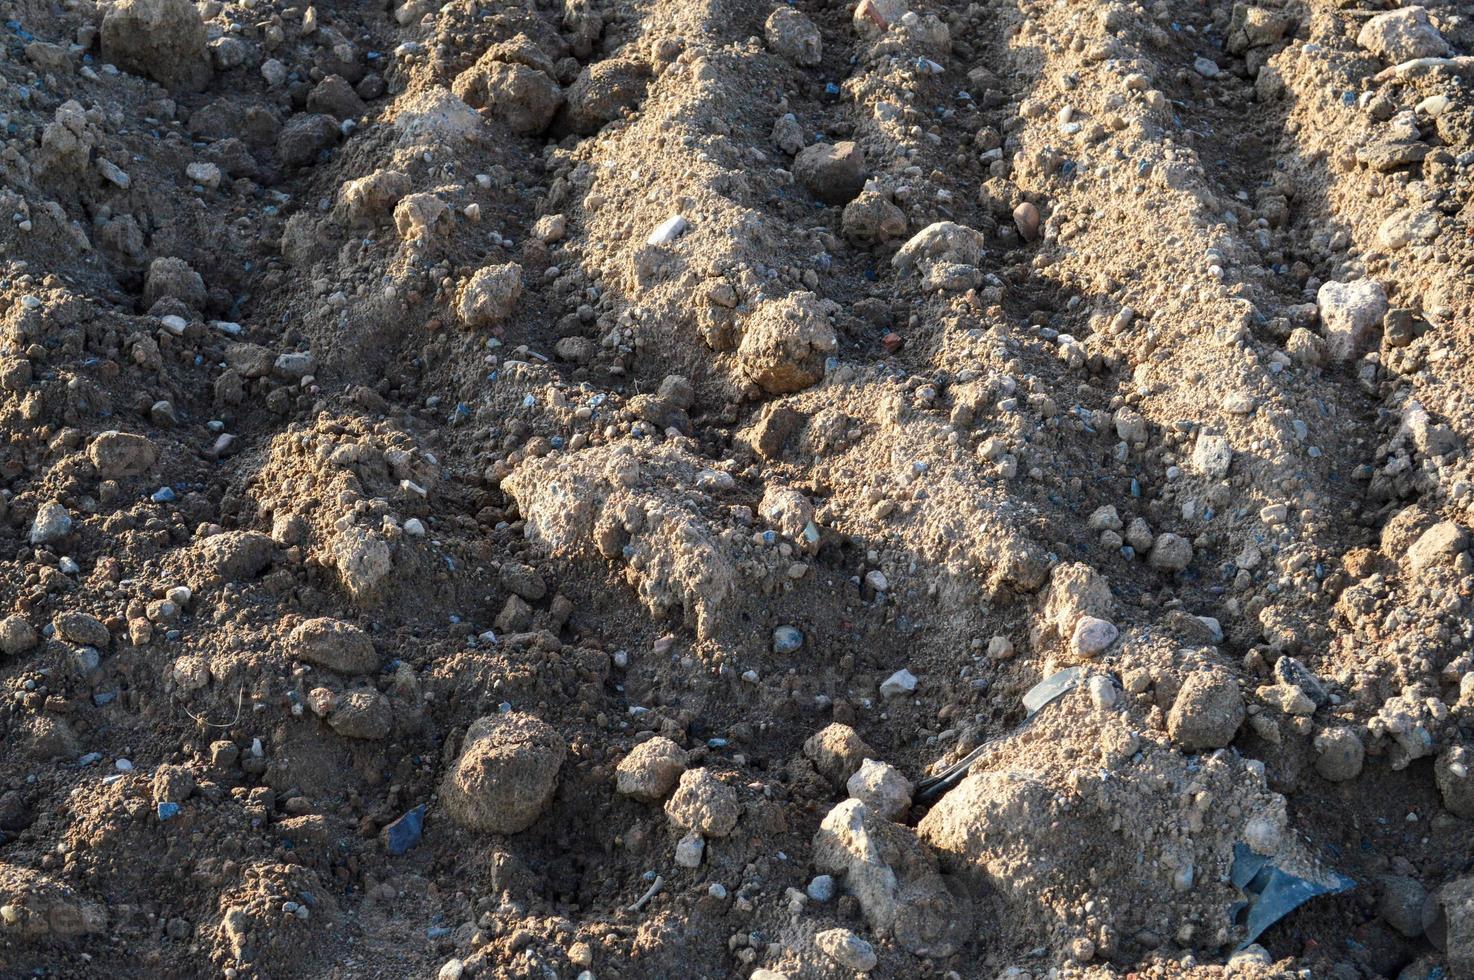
(1406, 227)
(837, 751)
(305, 138)
(899, 684)
(525, 97)
(16, 635)
(943, 242)
(235, 556)
(333, 96)
(82, 629)
(161, 39)
(793, 36)
(338, 646)
(432, 116)
(1441, 544)
(1453, 772)
(987, 512)
(490, 296)
(1255, 27)
(847, 949)
(362, 714)
(651, 769)
(787, 639)
(1402, 35)
(894, 878)
(884, 790)
(506, 774)
(1170, 553)
(787, 134)
(668, 230)
(1349, 312)
(35, 907)
(1075, 590)
(785, 342)
(1212, 456)
(703, 804)
(420, 216)
(1339, 754)
(832, 172)
(873, 17)
(370, 200)
(871, 219)
(1401, 904)
(1207, 712)
(363, 560)
(52, 523)
(600, 93)
(689, 851)
(121, 454)
(172, 278)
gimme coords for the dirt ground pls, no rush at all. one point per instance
(592, 489)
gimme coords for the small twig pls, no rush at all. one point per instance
(650, 893)
(240, 699)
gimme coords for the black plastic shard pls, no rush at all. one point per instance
(1273, 893)
(1042, 694)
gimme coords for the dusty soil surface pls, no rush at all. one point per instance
(545, 489)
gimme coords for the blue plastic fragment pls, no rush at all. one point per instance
(168, 811)
(1052, 687)
(1274, 894)
(404, 833)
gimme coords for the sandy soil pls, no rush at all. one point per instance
(590, 489)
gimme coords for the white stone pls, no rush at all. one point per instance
(1102, 692)
(205, 174)
(884, 790)
(1093, 636)
(689, 850)
(52, 523)
(668, 230)
(1349, 312)
(900, 683)
(1212, 456)
(822, 888)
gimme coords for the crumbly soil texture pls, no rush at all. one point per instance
(583, 488)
